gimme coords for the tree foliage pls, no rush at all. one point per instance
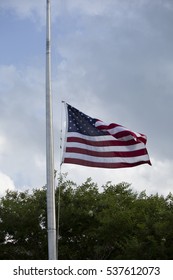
(115, 223)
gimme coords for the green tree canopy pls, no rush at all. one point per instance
(115, 223)
(23, 225)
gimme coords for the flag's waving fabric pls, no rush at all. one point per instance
(91, 142)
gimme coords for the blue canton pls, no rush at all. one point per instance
(81, 123)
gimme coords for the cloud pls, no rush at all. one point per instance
(22, 122)
(126, 67)
(24, 9)
(152, 179)
(34, 10)
(119, 68)
(112, 60)
(6, 183)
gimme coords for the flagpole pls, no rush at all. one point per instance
(51, 221)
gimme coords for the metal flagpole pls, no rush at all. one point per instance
(51, 222)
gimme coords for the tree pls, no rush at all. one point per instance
(23, 225)
(114, 223)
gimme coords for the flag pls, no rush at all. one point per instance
(91, 142)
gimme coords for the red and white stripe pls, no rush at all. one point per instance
(120, 132)
(122, 148)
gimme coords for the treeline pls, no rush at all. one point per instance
(116, 223)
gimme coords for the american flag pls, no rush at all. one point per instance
(91, 142)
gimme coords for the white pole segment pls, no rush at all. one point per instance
(51, 222)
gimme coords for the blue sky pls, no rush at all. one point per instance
(20, 40)
(110, 59)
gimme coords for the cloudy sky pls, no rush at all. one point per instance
(112, 59)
